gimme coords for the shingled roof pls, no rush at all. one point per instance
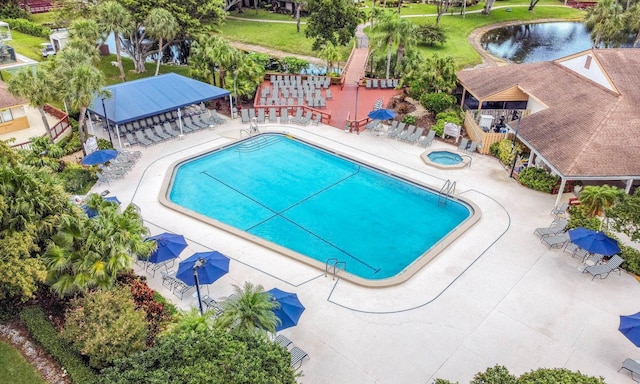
(587, 130)
(7, 99)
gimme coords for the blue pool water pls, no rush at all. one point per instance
(316, 203)
(445, 157)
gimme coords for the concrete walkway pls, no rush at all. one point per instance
(495, 296)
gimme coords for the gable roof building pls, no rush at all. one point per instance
(584, 111)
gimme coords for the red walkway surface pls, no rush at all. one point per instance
(343, 103)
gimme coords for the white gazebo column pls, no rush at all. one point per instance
(560, 191)
(180, 122)
(628, 187)
(118, 133)
(90, 122)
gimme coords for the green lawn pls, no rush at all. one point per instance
(250, 13)
(15, 368)
(26, 45)
(112, 73)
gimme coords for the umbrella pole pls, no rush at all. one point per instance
(195, 276)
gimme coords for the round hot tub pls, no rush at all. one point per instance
(444, 159)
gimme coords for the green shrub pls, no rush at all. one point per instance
(445, 117)
(77, 180)
(437, 102)
(429, 34)
(577, 218)
(104, 144)
(28, 27)
(538, 179)
(291, 64)
(631, 258)
(409, 119)
(494, 375)
(557, 376)
(504, 151)
(106, 326)
(494, 149)
(35, 320)
(12, 11)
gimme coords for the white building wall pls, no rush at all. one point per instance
(594, 72)
(534, 105)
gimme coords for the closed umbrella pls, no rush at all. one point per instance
(382, 114)
(100, 157)
(213, 266)
(594, 241)
(630, 327)
(290, 308)
(169, 246)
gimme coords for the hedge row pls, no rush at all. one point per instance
(28, 27)
(46, 335)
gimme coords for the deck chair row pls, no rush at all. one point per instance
(297, 354)
(411, 135)
(382, 83)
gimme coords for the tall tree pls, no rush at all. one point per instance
(632, 21)
(114, 18)
(487, 6)
(212, 54)
(249, 309)
(330, 53)
(606, 23)
(300, 4)
(332, 20)
(407, 38)
(625, 215)
(161, 25)
(442, 6)
(386, 34)
(35, 86)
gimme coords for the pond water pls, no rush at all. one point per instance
(529, 43)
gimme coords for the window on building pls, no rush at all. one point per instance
(5, 115)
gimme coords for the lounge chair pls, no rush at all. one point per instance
(373, 124)
(152, 136)
(252, 113)
(297, 355)
(603, 270)
(260, 117)
(168, 279)
(472, 147)
(413, 138)
(103, 179)
(284, 115)
(273, 116)
(317, 119)
(297, 117)
(215, 117)
(169, 129)
(244, 115)
(306, 119)
(188, 123)
(407, 133)
(556, 227)
(632, 366)
(130, 139)
(180, 288)
(463, 144)
(395, 83)
(198, 122)
(211, 304)
(143, 140)
(283, 341)
(556, 241)
(383, 83)
(375, 83)
(561, 209)
(158, 131)
(329, 95)
(368, 84)
(397, 131)
(426, 141)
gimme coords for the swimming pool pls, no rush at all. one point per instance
(315, 205)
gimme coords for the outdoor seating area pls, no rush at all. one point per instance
(119, 163)
(382, 83)
(165, 126)
(292, 90)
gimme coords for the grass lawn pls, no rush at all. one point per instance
(112, 73)
(250, 13)
(26, 45)
(15, 368)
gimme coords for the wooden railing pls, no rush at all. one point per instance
(476, 133)
(57, 130)
(346, 66)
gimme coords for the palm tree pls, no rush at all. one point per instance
(35, 86)
(595, 199)
(386, 34)
(250, 308)
(161, 25)
(89, 253)
(605, 22)
(330, 53)
(113, 17)
(78, 83)
(407, 38)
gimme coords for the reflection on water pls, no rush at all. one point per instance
(528, 43)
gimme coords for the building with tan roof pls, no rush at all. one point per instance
(582, 112)
(12, 111)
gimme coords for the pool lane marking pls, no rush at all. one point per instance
(279, 214)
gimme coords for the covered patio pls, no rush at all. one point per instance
(582, 113)
(134, 100)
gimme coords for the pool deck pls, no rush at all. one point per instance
(495, 296)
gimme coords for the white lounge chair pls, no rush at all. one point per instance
(603, 270)
(426, 141)
(556, 227)
(632, 366)
(297, 356)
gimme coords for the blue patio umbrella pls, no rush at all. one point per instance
(630, 327)
(382, 114)
(594, 241)
(92, 212)
(169, 247)
(215, 265)
(290, 308)
(100, 157)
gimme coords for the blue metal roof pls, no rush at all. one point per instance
(137, 99)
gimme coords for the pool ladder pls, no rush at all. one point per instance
(333, 265)
(446, 191)
(257, 143)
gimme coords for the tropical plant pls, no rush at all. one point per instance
(430, 34)
(625, 215)
(386, 34)
(207, 357)
(292, 64)
(105, 326)
(445, 117)
(497, 374)
(606, 23)
(332, 20)
(114, 18)
(163, 26)
(595, 199)
(437, 102)
(506, 150)
(211, 55)
(89, 253)
(408, 119)
(37, 87)
(558, 376)
(250, 308)
(578, 219)
(330, 53)
(537, 179)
